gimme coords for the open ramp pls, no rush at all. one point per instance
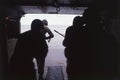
(55, 73)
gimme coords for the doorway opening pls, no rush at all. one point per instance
(56, 22)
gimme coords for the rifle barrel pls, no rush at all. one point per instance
(59, 33)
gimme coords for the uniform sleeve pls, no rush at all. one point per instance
(51, 35)
(66, 41)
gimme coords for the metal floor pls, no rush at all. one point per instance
(55, 73)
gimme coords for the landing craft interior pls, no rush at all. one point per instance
(11, 12)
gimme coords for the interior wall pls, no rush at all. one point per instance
(3, 50)
(1, 58)
(116, 31)
(114, 23)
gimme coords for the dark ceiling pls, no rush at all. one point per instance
(51, 2)
(60, 3)
(53, 6)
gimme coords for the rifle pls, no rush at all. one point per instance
(59, 33)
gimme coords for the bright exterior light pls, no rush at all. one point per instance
(53, 19)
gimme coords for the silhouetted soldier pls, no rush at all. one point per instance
(74, 46)
(91, 52)
(30, 44)
(46, 31)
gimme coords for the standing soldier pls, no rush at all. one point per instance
(46, 31)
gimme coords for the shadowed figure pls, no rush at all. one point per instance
(90, 50)
(30, 44)
(46, 30)
(74, 45)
